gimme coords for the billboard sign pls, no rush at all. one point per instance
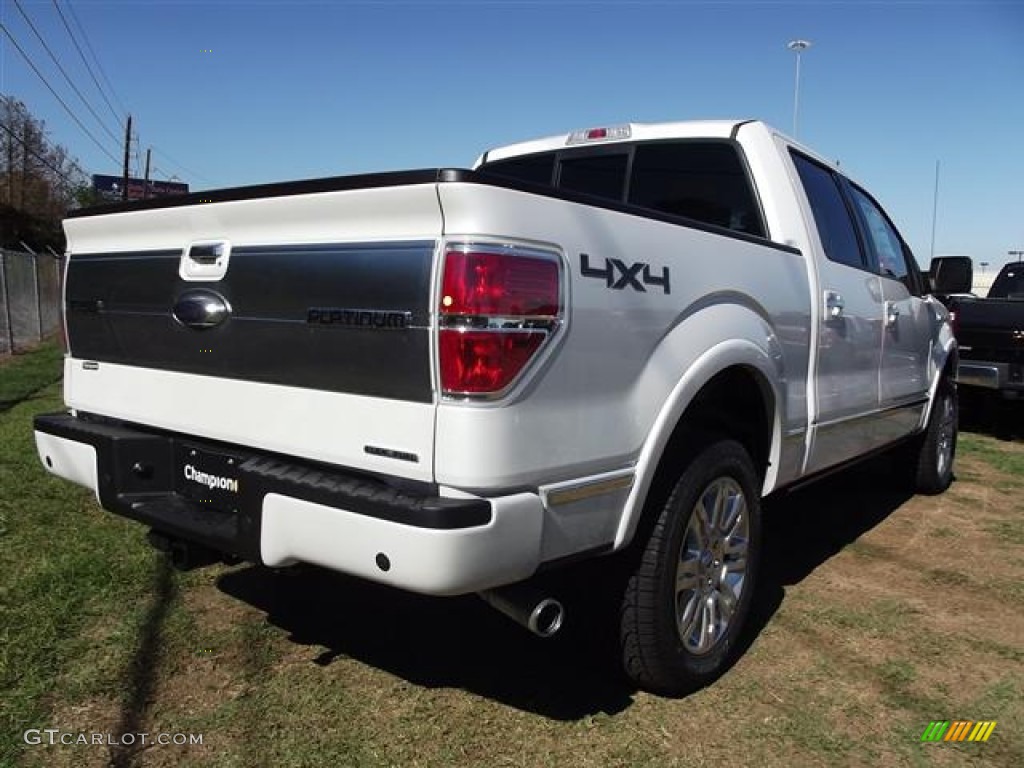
(111, 188)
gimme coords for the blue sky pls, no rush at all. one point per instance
(249, 91)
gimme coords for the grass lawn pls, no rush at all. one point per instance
(877, 614)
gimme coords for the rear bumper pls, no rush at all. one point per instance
(276, 511)
(1007, 377)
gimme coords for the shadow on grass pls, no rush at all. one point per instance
(805, 528)
(439, 642)
(462, 643)
(7, 404)
(20, 397)
(141, 673)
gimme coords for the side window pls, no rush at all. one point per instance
(534, 169)
(602, 175)
(892, 261)
(705, 181)
(831, 216)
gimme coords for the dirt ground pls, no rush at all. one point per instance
(877, 613)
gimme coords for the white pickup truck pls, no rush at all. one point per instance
(450, 381)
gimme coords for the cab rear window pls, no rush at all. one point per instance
(601, 175)
(532, 169)
(704, 181)
(1009, 284)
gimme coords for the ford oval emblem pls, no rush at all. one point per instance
(201, 309)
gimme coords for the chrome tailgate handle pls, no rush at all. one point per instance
(205, 260)
(206, 253)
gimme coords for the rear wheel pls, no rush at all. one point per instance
(689, 597)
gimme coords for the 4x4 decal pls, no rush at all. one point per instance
(618, 275)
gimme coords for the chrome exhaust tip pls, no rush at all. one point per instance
(528, 607)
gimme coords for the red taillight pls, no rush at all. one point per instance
(483, 283)
(478, 362)
(498, 307)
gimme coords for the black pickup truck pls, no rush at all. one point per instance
(990, 331)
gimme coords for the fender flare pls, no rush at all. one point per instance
(946, 355)
(730, 353)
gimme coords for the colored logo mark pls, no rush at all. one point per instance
(958, 730)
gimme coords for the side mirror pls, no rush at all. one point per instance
(951, 274)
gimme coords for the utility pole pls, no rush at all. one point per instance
(127, 149)
(1018, 254)
(145, 184)
(798, 46)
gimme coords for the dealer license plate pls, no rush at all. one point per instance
(208, 477)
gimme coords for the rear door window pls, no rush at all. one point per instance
(831, 216)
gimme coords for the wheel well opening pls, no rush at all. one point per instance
(736, 403)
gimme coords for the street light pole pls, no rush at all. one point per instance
(1018, 254)
(935, 207)
(798, 46)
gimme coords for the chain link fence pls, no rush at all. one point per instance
(30, 299)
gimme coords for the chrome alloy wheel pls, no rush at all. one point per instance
(712, 566)
(946, 441)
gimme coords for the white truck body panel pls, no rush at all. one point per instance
(330, 427)
(627, 370)
(365, 215)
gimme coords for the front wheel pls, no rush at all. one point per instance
(689, 597)
(935, 449)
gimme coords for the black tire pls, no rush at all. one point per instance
(935, 449)
(658, 654)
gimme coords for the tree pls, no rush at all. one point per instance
(39, 181)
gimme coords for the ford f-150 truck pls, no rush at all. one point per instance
(451, 381)
(990, 331)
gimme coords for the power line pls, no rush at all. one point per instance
(39, 157)
(157, 171)
(95, 58)
(67, 77)
(178, 165)
(85, 61)
(55, 94)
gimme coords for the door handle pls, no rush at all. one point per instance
(892, 314)
(834, 305)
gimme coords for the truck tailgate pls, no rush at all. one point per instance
(991, 329)
(293, 321)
